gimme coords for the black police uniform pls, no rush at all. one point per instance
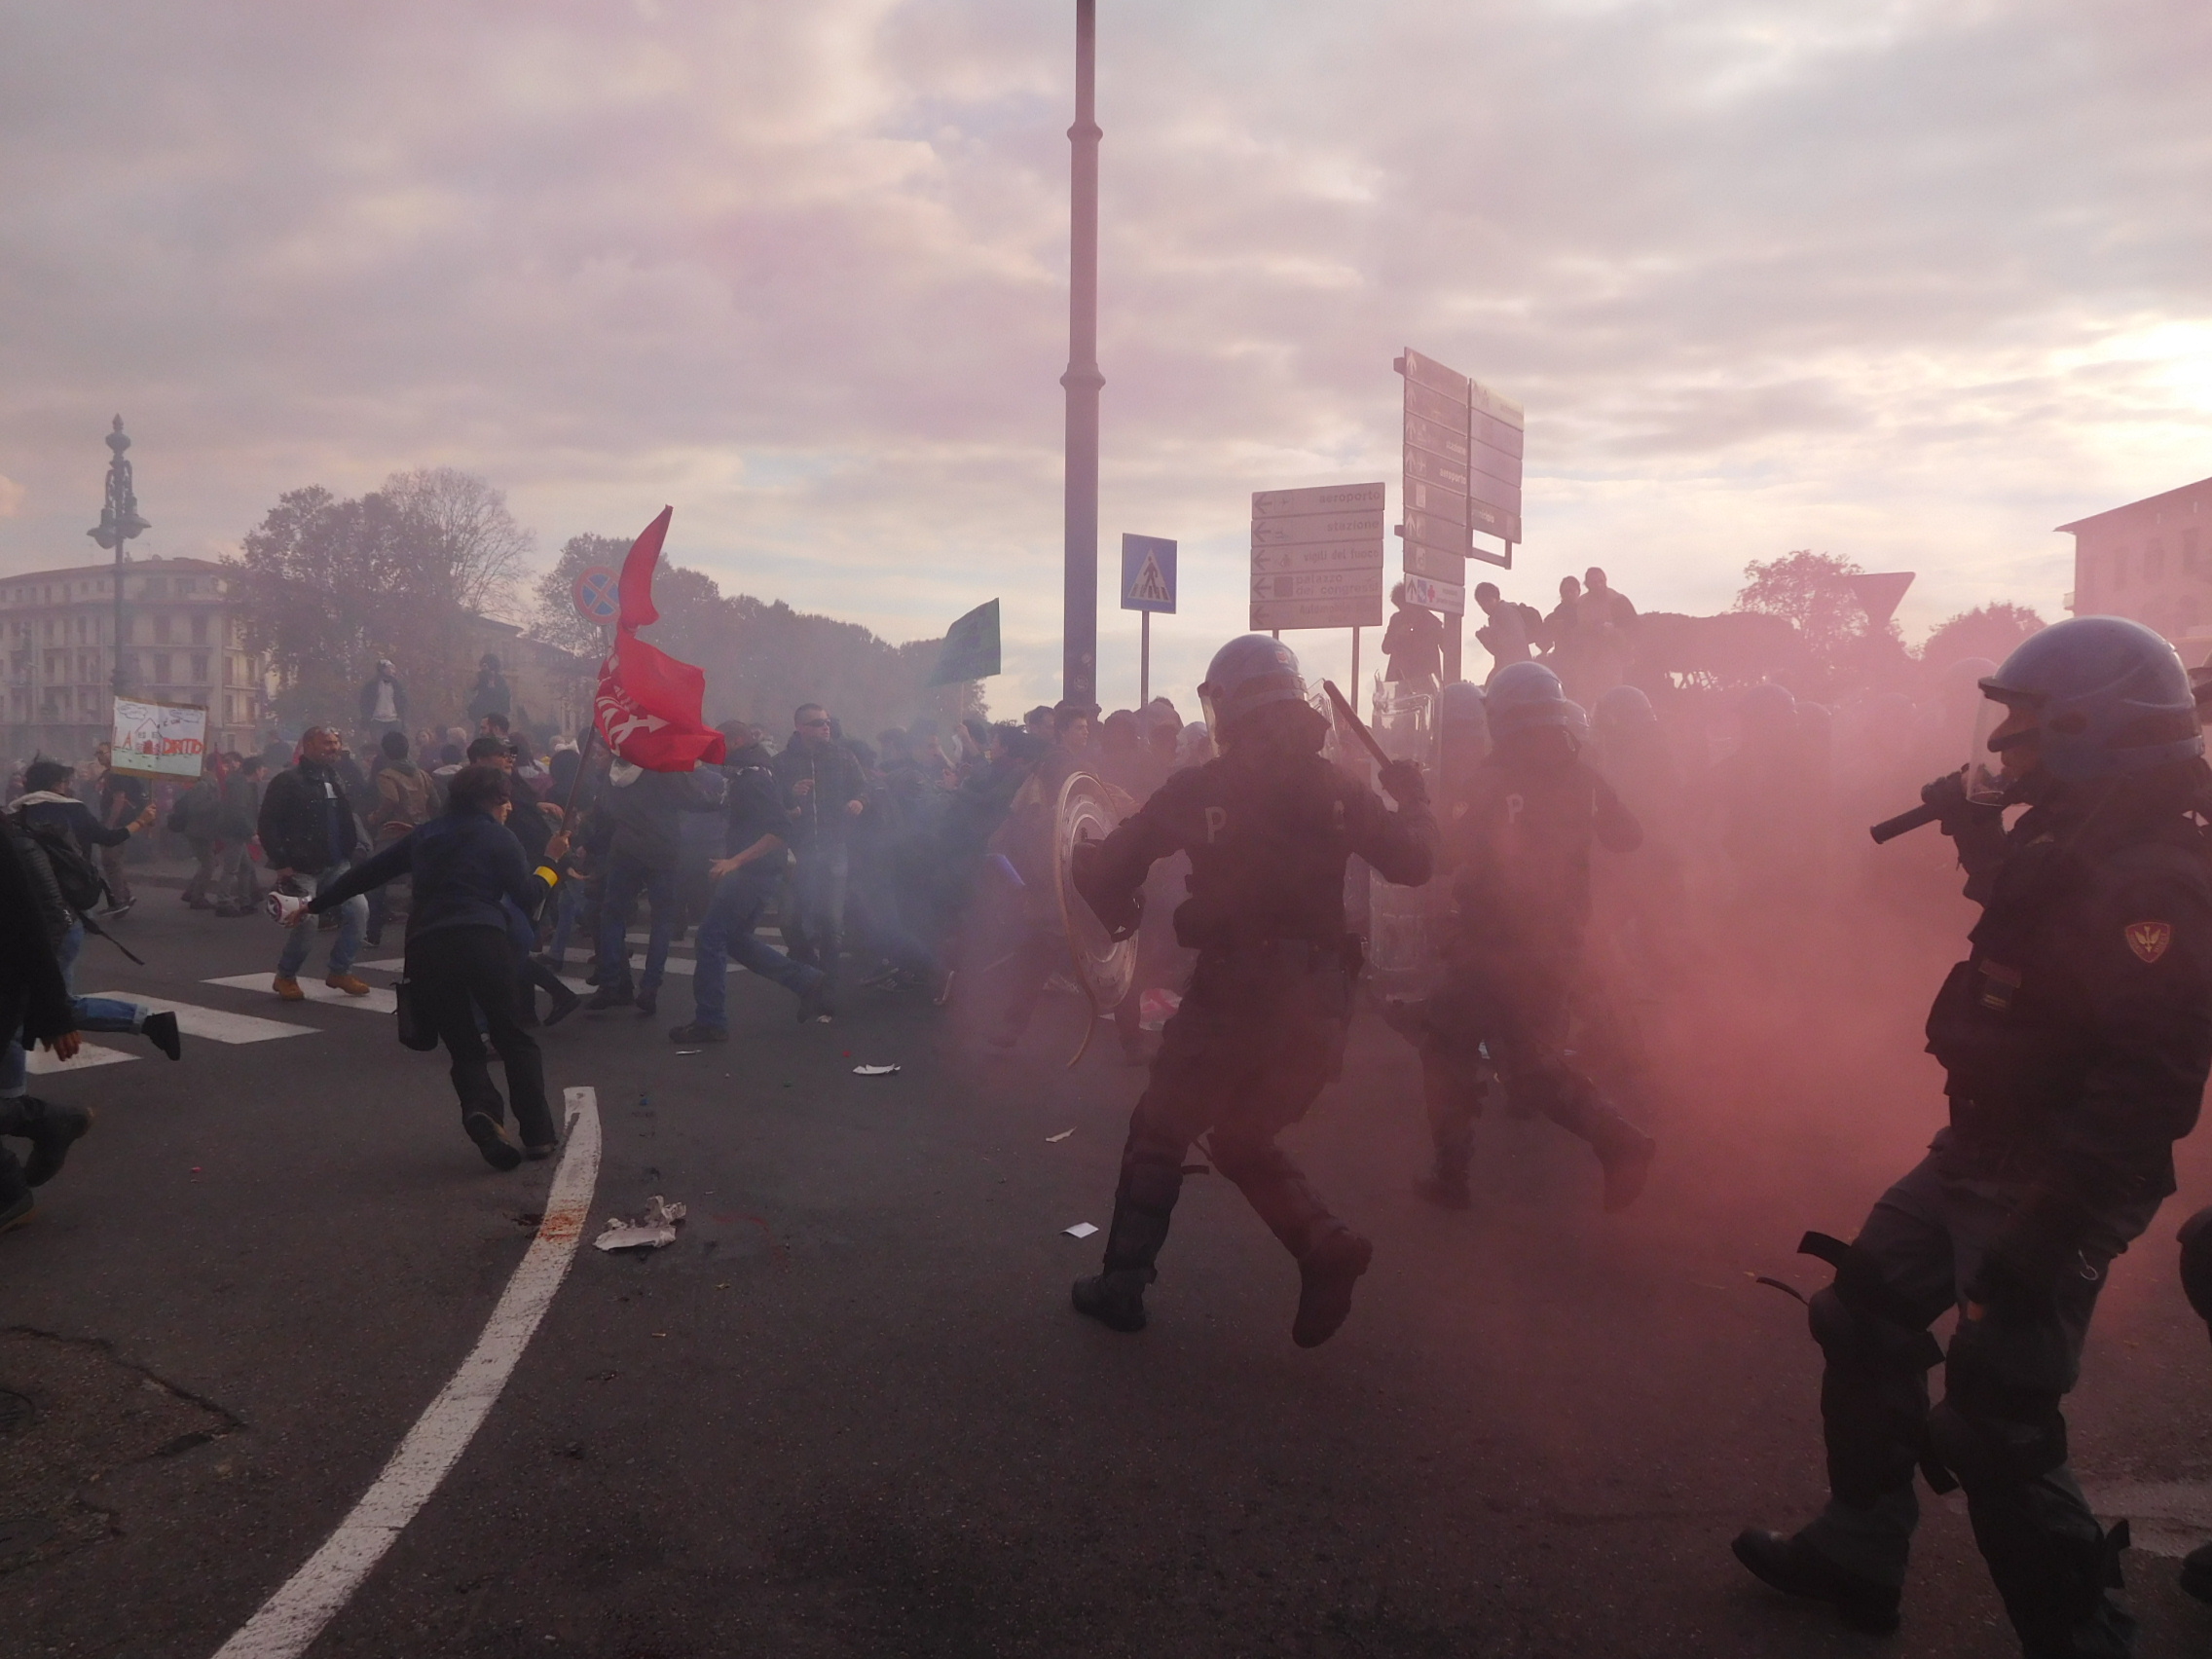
(2076, 1040)
(1262, 1028)
(1519, 853)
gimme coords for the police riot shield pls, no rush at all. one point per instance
(1088, 810)
(1399, 931)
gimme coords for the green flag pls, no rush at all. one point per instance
(971, 647)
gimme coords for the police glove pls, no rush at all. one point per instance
(1404, 780)
(2031, 1254)
(1121, 913)
(1958, 816)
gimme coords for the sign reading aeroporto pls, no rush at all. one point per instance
(1318, 557)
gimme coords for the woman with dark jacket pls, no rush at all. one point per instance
(460, 956)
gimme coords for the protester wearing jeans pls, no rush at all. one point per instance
(743, 884)
(309, 834)
(467, 870)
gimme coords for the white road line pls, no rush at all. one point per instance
(214, 1023)
(398, 964)
(296, 1614)
(376, 1002)
(88, 1054)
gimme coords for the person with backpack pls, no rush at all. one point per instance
(197, 817)
(238, 891)
(310, 836)
(405, 796)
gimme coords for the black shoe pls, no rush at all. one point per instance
(491, 1139)
(563, 1005)
(2196, 1572)
(699, 1034)
(648, 1004)
(814, 1001)
(160, 1030)
(1797, 1569)
(373, 937)
(591, 975)
(538, 1152)
(1116, 1300)
(1625, 1154)
(115, 913)
(1326, 1274)
(1445, 1192)
(611, 996)
(54, 1129)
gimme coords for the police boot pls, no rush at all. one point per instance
(1796, 1568)
(1327, 1270)
(1116, 1300)
(2196, 1572)
(52, 1130)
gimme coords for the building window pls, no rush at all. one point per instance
(162, 629)
(162, 667)
(198, 668)
(200, 629)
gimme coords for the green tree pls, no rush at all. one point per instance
(1988, 631)
(330, 585)
(1813, 592)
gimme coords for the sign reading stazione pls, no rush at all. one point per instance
(1318, 557)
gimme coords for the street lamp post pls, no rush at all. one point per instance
(119, 523)
(1079, 649)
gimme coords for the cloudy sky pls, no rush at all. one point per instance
(1907, 280)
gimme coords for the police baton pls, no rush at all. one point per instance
(1890, 828)
(1360, 731)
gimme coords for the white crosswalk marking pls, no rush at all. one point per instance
(214, 1024)
(88, 1054)
(397, 964)
(376, 1002)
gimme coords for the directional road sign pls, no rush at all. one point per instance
(1318, 557)
(1148, 573)
(598, 594)
(1462, 466)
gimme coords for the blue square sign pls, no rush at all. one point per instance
(1148, 573)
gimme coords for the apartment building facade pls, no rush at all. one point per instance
(2149, 561)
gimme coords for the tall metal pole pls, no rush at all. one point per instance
(119, 523)
(1144, 660)
(1079, 649)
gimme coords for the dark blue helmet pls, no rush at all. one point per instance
(1622, 709)
(1525, 694)
(1460, 703)
(1249, 673)
(2109, 698)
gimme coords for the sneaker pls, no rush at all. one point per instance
(648, 1003)
(1115, 1299)
(814, 1001)
(1326, 1274)
(697, 1033)
(117, 911)
(288, 988)
(611, 996)
(563, 1005)
(491, 1139)
(160, 1030)
(347, 982)
(17, 1211)
(54, 1129)
(1797, 1569)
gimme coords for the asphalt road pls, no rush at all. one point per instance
(851, 1413)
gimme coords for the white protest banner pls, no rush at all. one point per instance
(161, 739)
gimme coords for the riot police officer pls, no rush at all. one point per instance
(1520, 856)
(2076, 1040)
(1268, 824)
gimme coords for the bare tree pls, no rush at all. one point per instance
(473, 555)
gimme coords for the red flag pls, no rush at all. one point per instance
(650, 707)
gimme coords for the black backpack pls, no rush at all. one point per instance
(82, 885)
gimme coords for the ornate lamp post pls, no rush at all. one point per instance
(119, 523)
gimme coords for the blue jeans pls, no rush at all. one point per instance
(352, 920)
(89, 1013)
(726, 934)
(625, 880)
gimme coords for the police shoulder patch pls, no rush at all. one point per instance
(2149, 940)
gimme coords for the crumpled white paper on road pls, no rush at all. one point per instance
(650, 1231)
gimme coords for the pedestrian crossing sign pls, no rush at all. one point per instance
(1148, 573)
